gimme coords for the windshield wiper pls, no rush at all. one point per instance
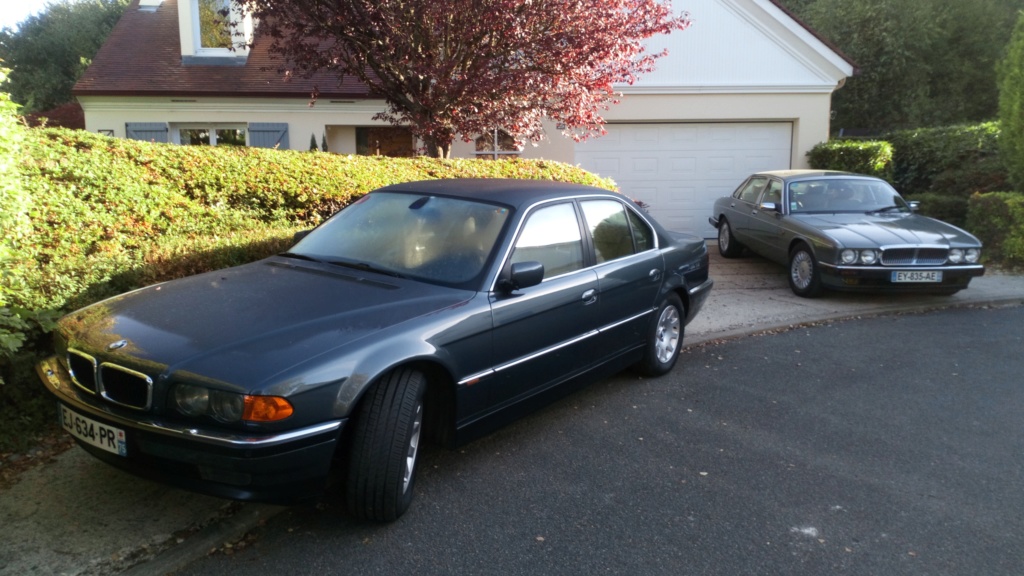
(365, 267)
(885, 209)
(298, 256)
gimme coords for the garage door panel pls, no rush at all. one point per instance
(720, 167)
(646, 165)
(682, 166)
(679, 169)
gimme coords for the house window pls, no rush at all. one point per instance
(210, 135)
(220, 28)
(497, 144)
(214, 23)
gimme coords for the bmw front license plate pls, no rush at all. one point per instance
(915, 276)
(92, 432)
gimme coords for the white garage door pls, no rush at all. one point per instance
(680, 169)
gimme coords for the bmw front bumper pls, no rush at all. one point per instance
(281, 468)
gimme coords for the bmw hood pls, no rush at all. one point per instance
(243, 325)
(867, 230)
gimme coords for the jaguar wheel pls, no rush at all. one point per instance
(385, 446)
(804, 276)
(728, 246)
(665, 339)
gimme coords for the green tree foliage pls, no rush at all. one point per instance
(921, 62)
(888, 39)
(49, 51)
(1011, 106)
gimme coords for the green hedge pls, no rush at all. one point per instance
(997, 219)
(939, 167)
(952, 160)
(870, 157)
(94, 216)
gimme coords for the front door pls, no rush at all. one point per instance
(542, 333)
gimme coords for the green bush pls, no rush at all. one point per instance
(952, 160)
(1011, 104)
(870, 157)
(952, 209)
(997, 219)
(89, 217)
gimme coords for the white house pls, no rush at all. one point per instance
(747, 87)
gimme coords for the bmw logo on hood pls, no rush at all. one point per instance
(117, 345)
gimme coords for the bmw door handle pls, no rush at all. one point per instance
(589, 297)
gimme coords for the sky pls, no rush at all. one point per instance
(14, 11)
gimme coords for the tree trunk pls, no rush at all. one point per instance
(436, 148)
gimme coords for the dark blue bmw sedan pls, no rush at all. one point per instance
(434, 310)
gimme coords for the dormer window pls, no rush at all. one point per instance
(214, 23)
(213, 32)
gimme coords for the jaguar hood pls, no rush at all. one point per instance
(865, 230)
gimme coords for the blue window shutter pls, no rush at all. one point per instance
(268, 135)
(148, 131)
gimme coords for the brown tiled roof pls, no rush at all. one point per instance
(142, 57)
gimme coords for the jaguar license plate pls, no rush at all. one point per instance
(94, 433)
(917, 276)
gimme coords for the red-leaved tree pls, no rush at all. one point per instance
(466, 67)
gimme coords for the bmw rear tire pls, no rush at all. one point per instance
(665, 339)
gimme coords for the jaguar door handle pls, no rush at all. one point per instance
(654, 274)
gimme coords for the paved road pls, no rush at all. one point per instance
(889, 445)
(78, 516)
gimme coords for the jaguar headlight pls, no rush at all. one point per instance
(972, 255)
(848, 256)
(868, 257)
(956, 255)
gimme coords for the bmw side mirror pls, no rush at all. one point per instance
(523, 275)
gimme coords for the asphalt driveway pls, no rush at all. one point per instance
(818, 450)
(76, 515)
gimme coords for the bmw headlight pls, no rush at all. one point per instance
(191, 400)
(229, 407)
(956, 255)
(972, 255)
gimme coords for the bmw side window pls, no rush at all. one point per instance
(643, 236)
(552, 237)
(609, 229)
(752, 189)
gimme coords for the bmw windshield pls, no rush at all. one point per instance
(432, 238)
